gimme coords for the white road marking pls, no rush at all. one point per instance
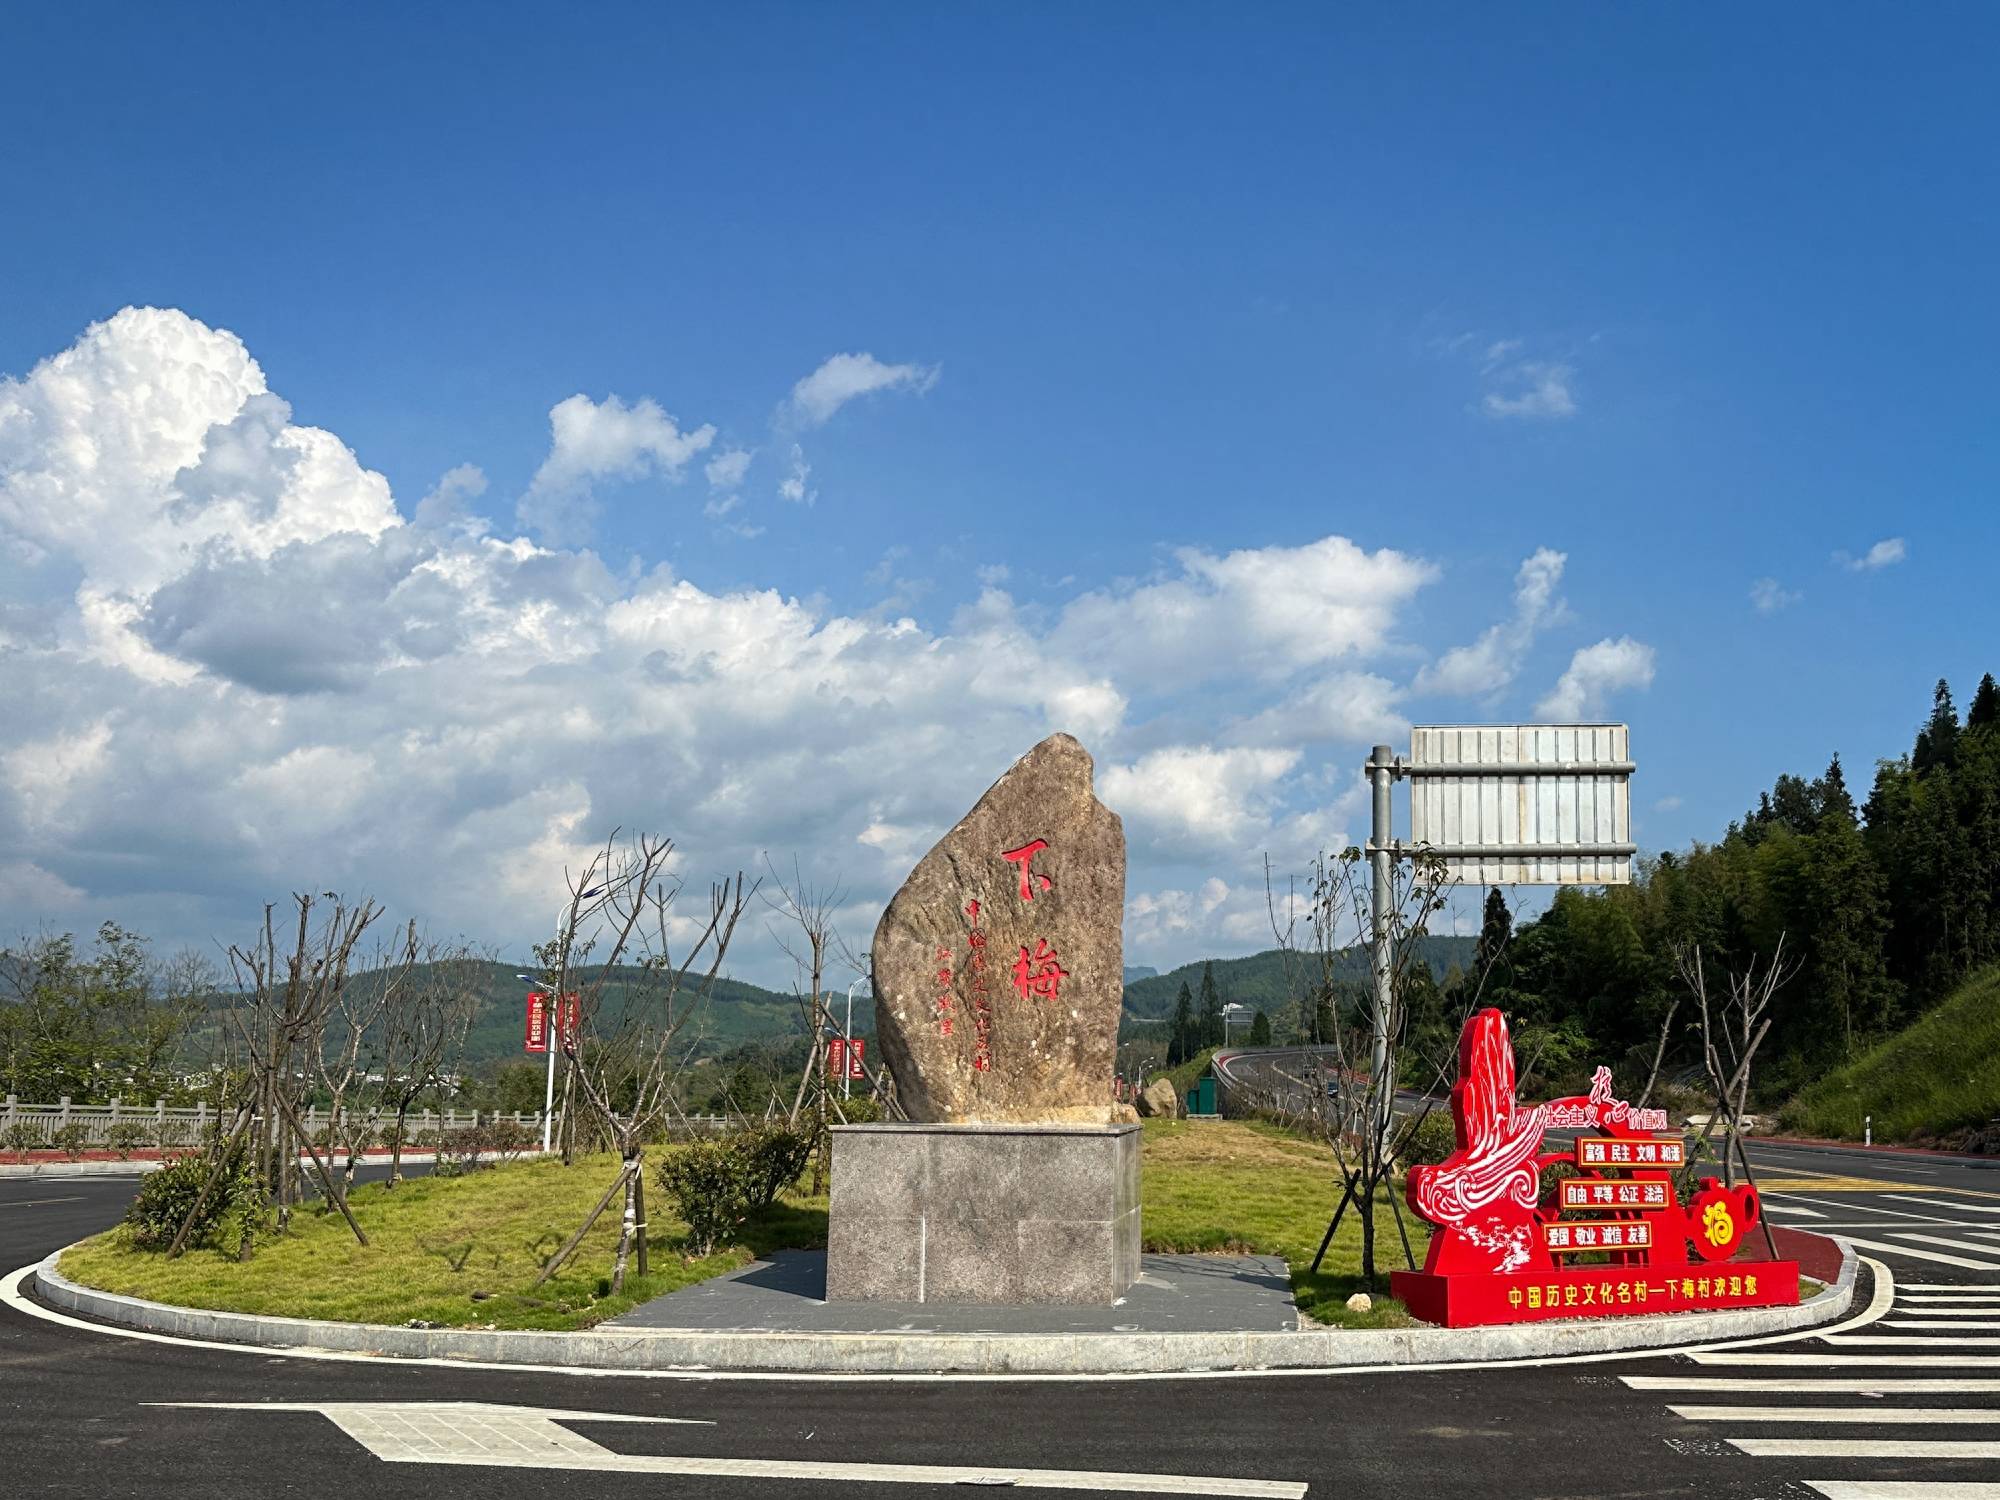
(12, 1297)
(1911, 1340)
(1944, 1320)
(1889, 1248)
(1772, 1205)
(1942, 1304)
(1938, 1239)
(1863, 1448)
(1894, 1213)
(1824, 1361)
(1943, 1202)
(1870, 1415)
(528, 1437)
(1793, 1386)
(38, 1202)
(1951, 1286)
(1902, 1489)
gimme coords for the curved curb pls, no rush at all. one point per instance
(988, 1354)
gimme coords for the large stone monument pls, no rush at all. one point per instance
(998, 982)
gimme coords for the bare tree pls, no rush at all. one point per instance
(813, 948)
(1733, 1026)
(288, 990)
(625, 1065)
(424, 1022)
(1354, 1112)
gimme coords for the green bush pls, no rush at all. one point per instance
(776, 1154)
(128, 1136)
(72, 1140)
(232, 1214)
(1428, 1142)
(713, 1186)
(21, 1138)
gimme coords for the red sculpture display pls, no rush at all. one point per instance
(1498, 1246)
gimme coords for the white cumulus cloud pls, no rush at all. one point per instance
(1768, 596)
(1594, 673)
(1491, 662)
(845, 377)
(1884, 554)
(591, 441)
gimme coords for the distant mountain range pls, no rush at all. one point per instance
(1259, 981)
(741, 1012)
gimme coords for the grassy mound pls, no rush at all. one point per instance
(464, 1252)
(1937, 1077)
(461, 1252)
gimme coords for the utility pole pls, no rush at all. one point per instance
(1381, 779)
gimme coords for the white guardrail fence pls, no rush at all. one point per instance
(99, 1126)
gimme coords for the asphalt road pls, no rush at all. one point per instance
(84, 1413)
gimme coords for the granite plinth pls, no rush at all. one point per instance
(1006, 1215)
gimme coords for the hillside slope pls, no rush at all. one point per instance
(1939, 1079)
(1259, 982)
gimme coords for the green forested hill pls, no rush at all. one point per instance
(1259, 981)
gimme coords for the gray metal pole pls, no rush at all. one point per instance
(1381, 776)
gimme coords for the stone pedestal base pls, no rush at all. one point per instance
(998, 1214)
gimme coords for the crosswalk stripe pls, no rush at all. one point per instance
(1792, 1208)
(1779, 1385)
(1893, 1213)
(1894, 1416)
(1909, 1340)
(1980, 1323)
(1939, 1307)
(1949, 1286)
(1903, 1489)
(1936, 1202)
(1887, 1247)
(1938, 1239)
(1863, 1448)
(1965, 1302)
(1822, 1361)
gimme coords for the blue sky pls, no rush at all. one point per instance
(1695, 300)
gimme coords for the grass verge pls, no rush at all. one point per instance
(464, 1252)
(1935, 1078)
(460, 1252)
(1226, 1186)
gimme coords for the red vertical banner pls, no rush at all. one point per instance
(569, 1020)
(836, 1057)
(538, 1022)
(855, 1049)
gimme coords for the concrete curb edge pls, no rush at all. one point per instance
(984, 1354)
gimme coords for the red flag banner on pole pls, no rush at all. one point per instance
(538, 1022)
(569, 1019)
(836, 1057)
(854, 1050)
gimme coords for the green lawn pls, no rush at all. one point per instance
(1939, 1075)
(1222, 1185)
(462, 1252)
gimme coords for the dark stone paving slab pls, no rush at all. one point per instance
(1174, 1294)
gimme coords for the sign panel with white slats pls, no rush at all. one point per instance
(1524, 804)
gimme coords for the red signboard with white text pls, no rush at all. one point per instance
(1500, 1250)
(855, 1049)
(836, 1057)
(538, 1022)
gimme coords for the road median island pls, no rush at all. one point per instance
(450, 1268)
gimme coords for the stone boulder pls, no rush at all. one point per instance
(1160, 1100)
(999, 970)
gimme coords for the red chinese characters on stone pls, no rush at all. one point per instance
(944, 1000)
(1031, 879)
(1039, 975)
(982, 1004)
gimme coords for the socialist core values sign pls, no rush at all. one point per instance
(1613, 1239)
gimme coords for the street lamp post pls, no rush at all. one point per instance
(555, 1016)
